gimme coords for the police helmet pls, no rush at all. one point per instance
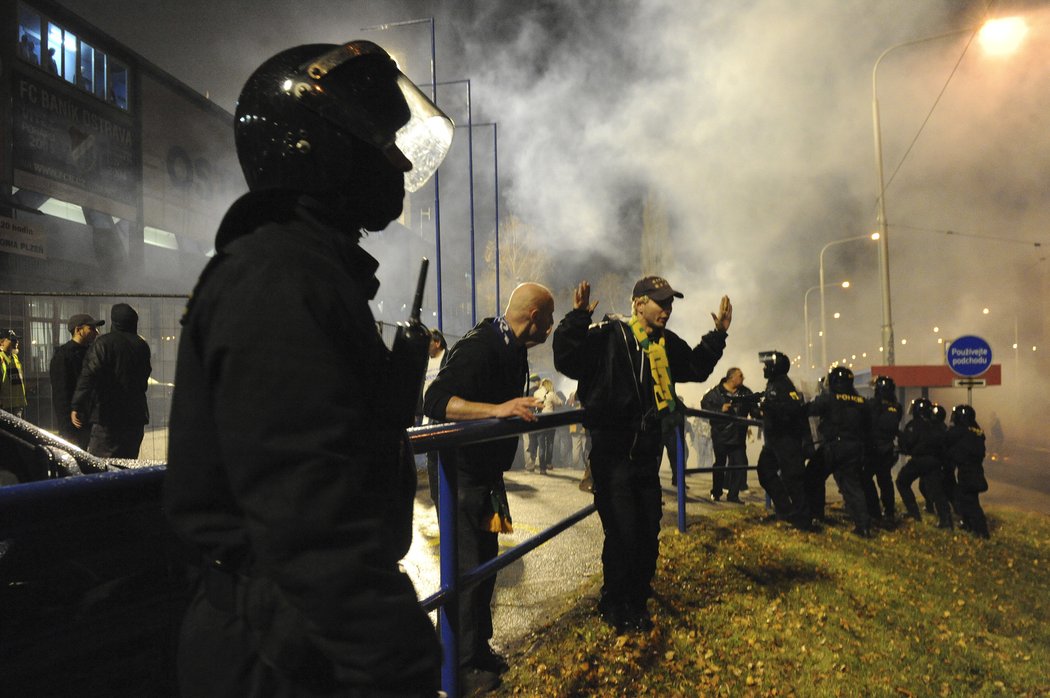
(921, 407)
(885, 387)
(964, 415)
(939, 413)
(774, 363)
(306, 118)
(840, 379)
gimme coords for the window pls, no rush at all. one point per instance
(53, 59)
(60, 53)
(86, 76)
(28, 35)
(118, 84)
(159, 238)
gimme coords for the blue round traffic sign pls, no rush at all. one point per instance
(969, 356)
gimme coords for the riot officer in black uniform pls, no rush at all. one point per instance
(940, 416)
(923, 440)
(885, 417)
(289, 473)
(964, 451)
(786, 433)
(845, 433)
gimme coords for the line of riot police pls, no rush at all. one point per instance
(859, 442)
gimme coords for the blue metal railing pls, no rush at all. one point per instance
(447, 435)
(121, 482)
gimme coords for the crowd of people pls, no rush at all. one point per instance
(98, 383)
(858, 443)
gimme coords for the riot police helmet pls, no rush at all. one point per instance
(964, 415)
(939, 413)
(840, 379)
(774, 363)
(921, 407)
(322, 119)
(885, 387)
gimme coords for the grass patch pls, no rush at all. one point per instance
(749, 608)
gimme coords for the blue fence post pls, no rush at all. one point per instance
(679, 466)
(448, 613)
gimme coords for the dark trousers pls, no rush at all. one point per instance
(929, 470)
(880, 467)
(846, 459)
(818, 469)
(968, 505)
(78, 437)
(544, 448)
(218, 657)
(115, 442)
(476, 545)
(733, 481)
(625, 467)
(782, 476)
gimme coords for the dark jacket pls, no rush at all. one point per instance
(843, 417)
(112, 384)
(964, 449)
(784, 411)
(481, 367)
(922, 438)
(286, 466)
(615, 382)
(726, 432)
(885, 419)
(65, 368)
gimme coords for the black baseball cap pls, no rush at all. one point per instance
(83, 319)
(656, 288)
(9, 334)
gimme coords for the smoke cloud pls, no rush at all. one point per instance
(750, 124)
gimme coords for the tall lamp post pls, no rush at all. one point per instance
(1005, 34)
(821, 286)
(805, 320)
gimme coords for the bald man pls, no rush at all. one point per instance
(486, 376)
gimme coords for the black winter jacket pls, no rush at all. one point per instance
(923, 437)
(843, 417)
(964, 449)
(112, 385)
(287, 466)
(64, 371)
(784, 411)
(615, 382)
(885, 417)
(481, 368)
(726, 432)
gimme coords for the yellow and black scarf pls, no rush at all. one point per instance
(663, 386)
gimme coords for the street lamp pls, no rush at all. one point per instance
(823, 327)
(805, 320)
(997, 36)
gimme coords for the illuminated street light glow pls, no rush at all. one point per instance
(845, 284)
(1001, 37)
(875, 236)
(837, 315)
(985, 311)
(936, 329)
(904, 341)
